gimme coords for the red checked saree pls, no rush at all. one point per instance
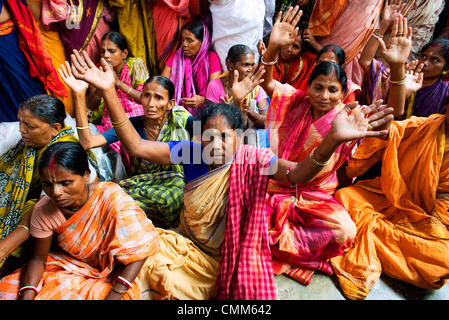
(307, 226)
(108, 229)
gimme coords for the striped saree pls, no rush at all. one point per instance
(307, 226)
(20, 183)
(109, 229)
(159, 189)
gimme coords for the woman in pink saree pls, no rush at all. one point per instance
(307, 226)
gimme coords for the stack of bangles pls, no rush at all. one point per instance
(119, 123)
(28, 288)
(268, 63)
(123, 281)
(398, 83)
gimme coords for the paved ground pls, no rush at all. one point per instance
(324, 287)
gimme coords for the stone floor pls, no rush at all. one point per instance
(324, 287)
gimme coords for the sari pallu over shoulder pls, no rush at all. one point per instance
(109, 228)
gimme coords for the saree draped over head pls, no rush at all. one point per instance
(307, 226)
(20, 183)
(110, 228)
(245, 271)
(191, 77)
(33, 46)
(159, 189)
(348, 24)
(16, 83)
(401, 216)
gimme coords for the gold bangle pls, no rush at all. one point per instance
(24, 227)
(398, 83)
(316, 162)
(129, 90)
(119, 123)
(82, 128)
(118, 291)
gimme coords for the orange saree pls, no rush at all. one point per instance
(402, 216)
(109, 229)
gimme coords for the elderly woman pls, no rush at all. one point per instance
(95, 262)
(223, 158)
(192, 66)
(307, 226)
(157, 188)
(41, 123)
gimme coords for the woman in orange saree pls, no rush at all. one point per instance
(307, 226)
(103, 235)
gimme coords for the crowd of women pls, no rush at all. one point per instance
(194, 149)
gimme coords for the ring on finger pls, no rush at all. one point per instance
(370, 127)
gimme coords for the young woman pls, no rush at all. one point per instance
(192, 66)
(157, 189)
(240, 62)
(130, 74)
(307, 225)
(250, 169)
(95, 262)
(41, 123)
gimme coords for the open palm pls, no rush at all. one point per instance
(284, 30)
(399, 45)
(77, 86)
(240, 89)
(84, 69)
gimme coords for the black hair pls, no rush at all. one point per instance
(69, 155)
(196, 27)
(166, 83)
(47, 108)
(237, 51)
(444, 51)
(232, 113)
(336, 50)
(326, 68)
(118, 38)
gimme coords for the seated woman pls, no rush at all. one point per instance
(425, 93)
(98, 262)
(157, 189)
(240, 62)
(130, 73)
(222, 157)
(307, 226)
(336, 54)
(402, 215)
(41, 123)
(296, 61)
(192, 66)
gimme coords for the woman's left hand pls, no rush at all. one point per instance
(193, 102)
(240, 89)
(355, 122)
(414, 77)
(78, 86)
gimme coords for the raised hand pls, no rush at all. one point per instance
(84, 69)
(284, 30)
(261, 48)
(355, 122)
(397, 50)
(240, 89)
(414, 77)
(392, 10)
(78, 86)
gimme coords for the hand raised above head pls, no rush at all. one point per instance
(77, 86)
(285, 31)
(397, 50)
(83, 68)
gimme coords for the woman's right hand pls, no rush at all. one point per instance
(391, 11)
(284, 30)
(414, 77)
(78, 86)
(397, 51)
(240, 89)
(83, 68)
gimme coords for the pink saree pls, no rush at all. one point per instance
(307, 226)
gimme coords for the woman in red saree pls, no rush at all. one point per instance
(307, 226)
(103, 235)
